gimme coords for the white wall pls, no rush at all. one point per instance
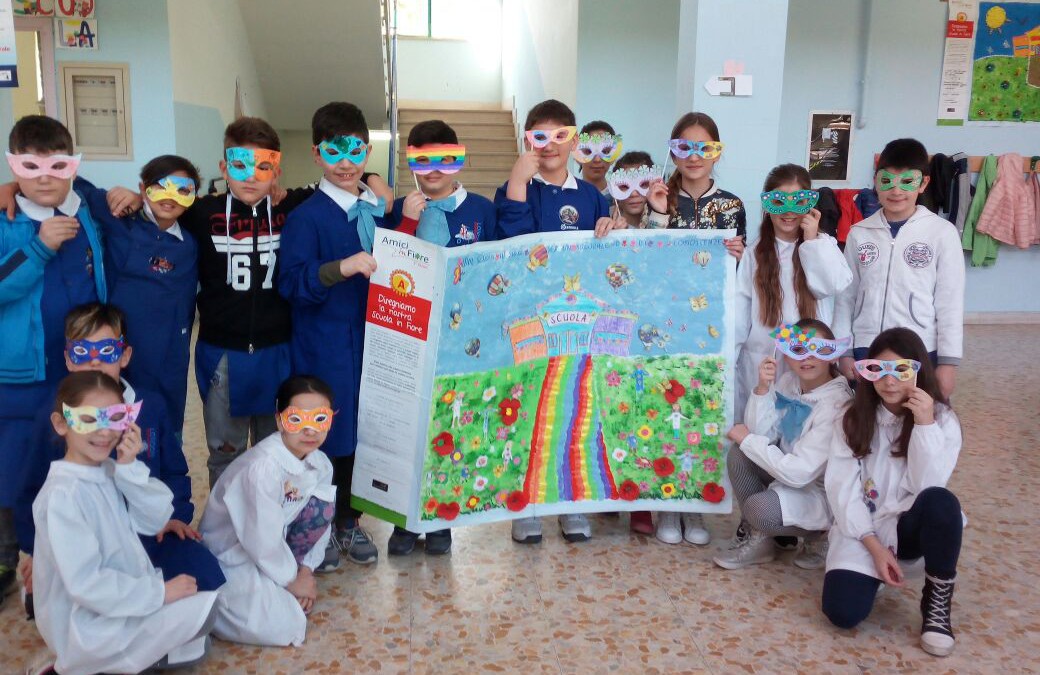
(901, 99)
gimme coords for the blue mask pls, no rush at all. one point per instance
(335, 150)
(244, 163)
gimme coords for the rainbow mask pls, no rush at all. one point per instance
(245, 163)
(87, 419)
(446, 158)
(800, 202)
(294, 420)
(901, 369)
(539, 138)
(683, 148)
(638, 179)
(335, 150)
(62, 167)
(906, 180)
(177, 188)
(109, 350)
(597, 146)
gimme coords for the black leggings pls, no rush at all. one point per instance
(342, 474)
(932, 528)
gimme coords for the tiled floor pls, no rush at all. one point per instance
(625, 603)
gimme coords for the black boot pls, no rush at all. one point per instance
(936, 604)
(402, 542)
(438, 543)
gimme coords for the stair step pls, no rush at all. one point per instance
(453, 116)
(468, 130)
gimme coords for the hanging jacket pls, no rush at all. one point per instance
(1009, 214)
(936, 197)
(982, 246)
(830, 212)
(849, 213)
(867, 202)
(1034, 180)
(960, 195)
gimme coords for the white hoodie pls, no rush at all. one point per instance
(915, 281)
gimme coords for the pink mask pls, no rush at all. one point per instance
(62, 167)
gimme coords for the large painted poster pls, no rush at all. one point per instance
(539, 376)
(1005, 83)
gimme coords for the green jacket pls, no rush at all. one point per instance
(982, 246)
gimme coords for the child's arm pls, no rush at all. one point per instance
(808, 457)
(148, 501)
(845, 302)
(844, 486)
(933, 451)
(760, 412)
(745, 288)
(826, 270)
(21, 266)
(382, 189)
(305, 278)
(254, 504)
(515, 214)
(173, 468)
(949, 307)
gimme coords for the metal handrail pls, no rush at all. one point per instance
(389, 12)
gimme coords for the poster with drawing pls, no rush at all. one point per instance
(1005, 82)
(830, 140)
(539, 376)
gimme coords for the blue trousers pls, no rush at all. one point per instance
(184, 556)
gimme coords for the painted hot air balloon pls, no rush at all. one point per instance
(618, 275)
(539, 257)
(455, 316)
(497, 285)
(702, 258)
(473, 347)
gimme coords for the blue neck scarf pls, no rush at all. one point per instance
(366, 214)
(433, 224)
(793, 414)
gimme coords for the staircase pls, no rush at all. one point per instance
(489, 137)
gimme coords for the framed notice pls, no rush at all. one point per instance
(829, 147)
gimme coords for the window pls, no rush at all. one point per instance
(448, 19)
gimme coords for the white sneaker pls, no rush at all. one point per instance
(575, 527)
(812, 555)
(669, 528)
(755, 550)
(694, 530)
(527, 530)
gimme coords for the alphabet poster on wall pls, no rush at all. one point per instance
(76, 33)
(8, 49)
(539, 376)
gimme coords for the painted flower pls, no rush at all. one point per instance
(457, 490)
(509, 409)
(489, 394)
(472, 502)
(448, 397)
(720, 365)
(644, 432)
(443, 443)
(448, 511)
(643, 463)
(516, 461)
(713, 492)
(644, 486)
(683, 476)
(517, 391)
(523, 415)
(628, 491)
(673, 391)
(622, 408)
(695, 383)
(467, 417)
(479, 483)
(441, 477)
(501, 497)
(431, 505)
(501, 433)
(456, 456)
(619, 455)
(668, 448)
(482, 461)
(663, 466)
(693, 437)
(711, 429)
(713, 404)
(711, 465)
(613, 379)
(475, 443)
(668, 490)
(652, 414)
(622, 435)
(499, 470)
(516, 501)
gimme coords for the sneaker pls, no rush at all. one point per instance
(755, 550)
(641, 522)
(355, 542)
(575, 527)
(438, 543)
(401, 542)
(331, 561)
(743, 532)
(936, 603)
(812, 555)
(669, 527)
(694, 530)
(527, 530)
(785, 543)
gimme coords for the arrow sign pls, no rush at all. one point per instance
(729, 85)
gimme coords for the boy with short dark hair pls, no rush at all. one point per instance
(907, 268)
(50, 261)
(599, 146)
(542, 195)
(326, 263)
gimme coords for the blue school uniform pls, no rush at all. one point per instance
(38, 287)
(328, 322)
(161, 451)
(575, 205)
(471, 220)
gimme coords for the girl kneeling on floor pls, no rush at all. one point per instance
(893, 453)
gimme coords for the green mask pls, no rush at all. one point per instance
(907, 180)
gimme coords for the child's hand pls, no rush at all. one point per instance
(946, 374)
(129, 445)
(123, 202)
(766, 375)
(278, 193)
(810, 224)
(359, 263)
(738, 433)
(57, 230)
(25, 572)
(847, 367)
(413, 206)
(735, 247)
(606, 225)
(525, 168)
(382, 189)
(304, 588)
(657, 197)
(887, 567)
(181, 586)
(181, 529)
(7, 201)
(922, 406)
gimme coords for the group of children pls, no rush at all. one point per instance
(94, 481)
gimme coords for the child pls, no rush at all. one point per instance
(268, 522)
(326, 263)
(628, 185)
(50, 261)
(151, 264)
(907, 268)
(102, 605)
(691, 198)
(95, 341)
(541, 195)
(443, 212)
(598, 147)
(777, 470)
(892, 455)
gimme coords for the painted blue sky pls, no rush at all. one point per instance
(1021, 17)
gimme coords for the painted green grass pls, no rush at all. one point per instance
(1000, 92)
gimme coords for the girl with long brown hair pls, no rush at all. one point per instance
(893, 453)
